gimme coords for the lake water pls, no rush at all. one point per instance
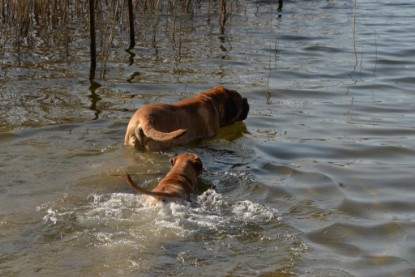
(318, 181)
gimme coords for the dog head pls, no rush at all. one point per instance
(231, 105)
(191, 158)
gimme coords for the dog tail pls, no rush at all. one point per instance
(157, 135)
(156, 194)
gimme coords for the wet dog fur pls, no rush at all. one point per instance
(179, 183)
(160, 126)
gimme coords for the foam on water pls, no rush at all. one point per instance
(210, 231)
(131, 214)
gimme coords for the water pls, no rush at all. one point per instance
(316, 182)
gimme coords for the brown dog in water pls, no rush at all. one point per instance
(160, 126)
(179, 183)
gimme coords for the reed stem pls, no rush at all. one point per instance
(93, 46)
(131, 19)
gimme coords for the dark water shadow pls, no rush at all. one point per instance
(131, 56)
(95, 98)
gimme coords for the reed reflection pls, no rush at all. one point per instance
(95, 98)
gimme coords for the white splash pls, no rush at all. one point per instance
(125, 218)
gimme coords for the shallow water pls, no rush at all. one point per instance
(316, 182)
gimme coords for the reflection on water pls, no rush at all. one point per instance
(316, 182)
(95, 98)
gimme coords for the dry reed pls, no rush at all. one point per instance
(21, 19)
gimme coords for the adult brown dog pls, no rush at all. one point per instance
(179, 183)
(161, 126)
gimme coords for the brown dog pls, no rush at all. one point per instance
(179, 183)
(161, 126)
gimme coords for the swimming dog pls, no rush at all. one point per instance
(179, 183)
(160, 126)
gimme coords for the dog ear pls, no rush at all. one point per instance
(198, 165)
(231, 110)
(173, 160)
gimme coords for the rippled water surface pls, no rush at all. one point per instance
(318, 181)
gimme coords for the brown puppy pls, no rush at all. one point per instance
(161, 126)
(179, 183)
